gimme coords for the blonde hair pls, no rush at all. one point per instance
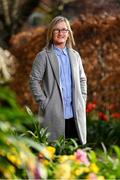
(70, 41)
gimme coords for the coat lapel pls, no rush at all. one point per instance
(73, 63)
(54, 64)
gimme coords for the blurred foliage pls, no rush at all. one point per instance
(101, 131)
(97, 40)
(10, 111)
(12, 16)
(102, 127)
(73, 9)
(21, 138)
(15, 152)
(26, 154)
(49, 9)
(81, 164)
(16, 14)
(108, 161)
(66, 146)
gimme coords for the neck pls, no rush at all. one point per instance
(61, 46)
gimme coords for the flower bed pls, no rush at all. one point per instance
(103, 126)
(26, 154)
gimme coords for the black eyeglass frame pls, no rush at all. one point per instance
(56, 31)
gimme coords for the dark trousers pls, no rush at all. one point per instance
(70, 129)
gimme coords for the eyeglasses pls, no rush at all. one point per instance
(64, 31)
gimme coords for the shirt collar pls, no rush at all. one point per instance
(60, 51)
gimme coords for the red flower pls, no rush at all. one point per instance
(111, 106)
(90, 107)
(115, 115)
(103, 116)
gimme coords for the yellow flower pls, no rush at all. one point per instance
(93, 176)
(14, 159)
(78, 172)
(25, 155)
(47, 152)
(81, 170)
(46, 162)
(101, 178)
(94, 168)
(51, 151)
(8, 172)
(11, 169)
(63, 158)
(63, 171)
(72, 157)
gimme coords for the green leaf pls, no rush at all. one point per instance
(92, 156)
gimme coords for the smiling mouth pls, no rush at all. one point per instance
(60, 37)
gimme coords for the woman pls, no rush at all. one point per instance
(58, 83)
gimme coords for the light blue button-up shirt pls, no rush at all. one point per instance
(65, 80)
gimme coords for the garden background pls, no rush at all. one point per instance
(24, 149)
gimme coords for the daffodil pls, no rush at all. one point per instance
(63, 158)
(63, 171)
(51, 151)
(47, 152)
(81, 170)
(94, 168)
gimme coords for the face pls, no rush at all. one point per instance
(60, 34)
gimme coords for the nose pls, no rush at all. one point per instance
(60, 32)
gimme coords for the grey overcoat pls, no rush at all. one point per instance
(45, 86)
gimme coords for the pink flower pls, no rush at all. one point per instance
(92, 176)
(82, 156)
(37, 173)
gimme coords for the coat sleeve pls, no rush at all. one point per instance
(83, 79)
(36, 77)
